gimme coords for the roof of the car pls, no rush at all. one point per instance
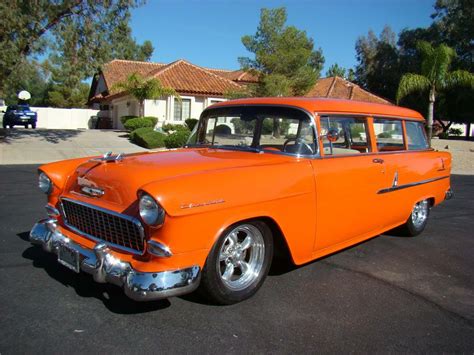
(321, 105)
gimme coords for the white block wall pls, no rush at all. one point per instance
(63, 118)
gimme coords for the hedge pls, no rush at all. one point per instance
(191, 122)
(174, 127)
(148, 138)
(139, 122)
(177, 139)
(154, 120)
(124, 119)
(142, 130)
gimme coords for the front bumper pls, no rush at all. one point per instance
(106, 268)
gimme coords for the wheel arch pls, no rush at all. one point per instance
(281, 247)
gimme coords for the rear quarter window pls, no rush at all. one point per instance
(416, 137)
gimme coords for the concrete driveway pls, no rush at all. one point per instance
(37, 146)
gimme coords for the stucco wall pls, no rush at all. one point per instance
(162, 108)
(64, 118)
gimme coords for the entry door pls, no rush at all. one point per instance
(347, 179)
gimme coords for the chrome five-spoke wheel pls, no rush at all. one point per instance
(241, 257)
(418, 219)
(238, 263)
(419, 214)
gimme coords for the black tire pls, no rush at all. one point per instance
(214, 285)
(5, 126)
(418, 219)
(33, 125)
(26, 126)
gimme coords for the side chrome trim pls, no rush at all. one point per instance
(412, 184)
(120, 215)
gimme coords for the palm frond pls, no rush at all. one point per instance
(410, 83)
(459, 78)
(444, 56)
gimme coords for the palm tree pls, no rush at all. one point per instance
(144, 89)
(435, 76)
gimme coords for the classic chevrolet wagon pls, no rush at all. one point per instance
(307, 177)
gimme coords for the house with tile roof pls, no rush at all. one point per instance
(199, 87)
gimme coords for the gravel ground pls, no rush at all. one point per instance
(462, 153)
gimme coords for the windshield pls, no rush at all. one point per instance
(271, 129)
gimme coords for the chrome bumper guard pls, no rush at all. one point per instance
(106, 268)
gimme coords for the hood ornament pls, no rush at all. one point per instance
(109, 157)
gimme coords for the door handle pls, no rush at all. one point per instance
(378, 161)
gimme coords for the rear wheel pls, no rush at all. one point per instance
(33, 125)
(238, 263)
(418, 219)
(26, 126)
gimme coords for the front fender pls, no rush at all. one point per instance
(201, 206)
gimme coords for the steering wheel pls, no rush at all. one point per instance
(298, 141)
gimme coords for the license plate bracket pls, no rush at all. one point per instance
(68, 257)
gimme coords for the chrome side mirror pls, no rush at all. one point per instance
(331, 136)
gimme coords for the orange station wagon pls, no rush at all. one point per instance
(306, 177)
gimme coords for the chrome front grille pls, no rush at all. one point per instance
(119, 230)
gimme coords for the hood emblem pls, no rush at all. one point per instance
(89, 187)
(92, 191)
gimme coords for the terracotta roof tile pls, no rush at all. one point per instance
(339, 88)
(118, 70)
(236, 75)
(181, 75)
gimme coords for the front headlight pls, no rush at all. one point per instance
(44, 183)
(150, 211)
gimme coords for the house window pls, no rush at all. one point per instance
(182, 109)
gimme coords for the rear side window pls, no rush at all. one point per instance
(389, 135)
(416, 137)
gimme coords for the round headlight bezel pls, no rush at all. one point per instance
(151, 213)
(44, 183)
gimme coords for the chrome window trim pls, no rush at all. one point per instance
(104, 210)
(312, 123)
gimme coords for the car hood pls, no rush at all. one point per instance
(119, 181)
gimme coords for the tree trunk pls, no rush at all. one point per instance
(431, 114)
(468, 130)
(141, 108)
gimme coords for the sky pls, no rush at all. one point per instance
(208, 32)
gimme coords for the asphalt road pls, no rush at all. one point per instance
(389, 294)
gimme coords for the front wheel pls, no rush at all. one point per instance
(33, 125)
(418, 219)
(238, 263)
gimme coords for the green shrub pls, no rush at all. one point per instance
(142, 130)
(455, 131)
(153, 119)
(443, 135)
(223, 129)
(124, 119)
(148, 138)
(174, 127)
(177, 139)
(139, 122)
(191, 123)
(384, 135)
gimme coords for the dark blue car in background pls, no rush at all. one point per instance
(19, 115)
